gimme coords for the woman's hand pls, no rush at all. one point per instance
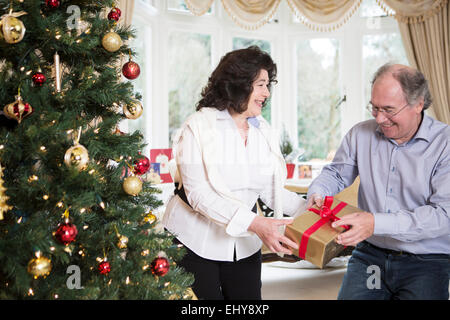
(267, 229)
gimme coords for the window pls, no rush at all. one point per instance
(240, 43)
(189, 58)
(323, 77)
(142, 84)
(370, 9)
(377, 50)
(318, 93)
(179, 6)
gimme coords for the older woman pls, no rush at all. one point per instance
(228, 157)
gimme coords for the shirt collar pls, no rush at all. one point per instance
(424, 128)
(225, 114)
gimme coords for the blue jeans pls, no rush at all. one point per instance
(376, 274)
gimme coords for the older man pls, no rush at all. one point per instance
(402, 157)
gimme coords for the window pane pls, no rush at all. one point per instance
(318, 94)
(370, 8)
(189, 68)
(180, 6)
(377, 50)
(149, 2)
(177, 5)
(240, 43)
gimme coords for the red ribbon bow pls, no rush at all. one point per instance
(326, 214)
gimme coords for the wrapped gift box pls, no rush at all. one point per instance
(313, 232)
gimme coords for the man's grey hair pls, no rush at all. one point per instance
(412, 81)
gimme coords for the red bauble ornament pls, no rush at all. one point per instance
(160, 266)
(66, 233)
(104, 267)
(131, 70)
(52, 4)
(38, 79)
(141, 165)
(118, 11)
(114, 14)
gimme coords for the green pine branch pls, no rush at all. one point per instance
(40, 186)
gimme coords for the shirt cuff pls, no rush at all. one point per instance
(311, 191)
(384, 224)
(293, 204)
(238, 225)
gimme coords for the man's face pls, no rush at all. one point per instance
(387, 94)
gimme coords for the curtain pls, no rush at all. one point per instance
(412, 11)
(251, 14)
(425, 30)
(127, 8)
(321, 15)
(199, 7)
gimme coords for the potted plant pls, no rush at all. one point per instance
(286, 150)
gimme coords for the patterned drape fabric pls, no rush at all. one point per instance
(323, 15)
(198, 7)
(412, 11)
(251, 14)
(320, 15)
(425, 36)
(127, 8)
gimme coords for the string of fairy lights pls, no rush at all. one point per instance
(12, 31)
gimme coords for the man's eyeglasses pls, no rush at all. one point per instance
(388, 113)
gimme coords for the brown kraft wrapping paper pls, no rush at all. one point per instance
(321, 246)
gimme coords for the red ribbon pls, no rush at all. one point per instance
(326, 214)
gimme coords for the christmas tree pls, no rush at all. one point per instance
(77, 219)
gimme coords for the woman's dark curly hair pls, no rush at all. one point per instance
(231, 83)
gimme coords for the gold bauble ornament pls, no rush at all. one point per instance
(149, 218)
(133, 110)
(123, 241)
(189, 294)
(112, 41)
(12, 30)
(39, 266)
(18, 109)
(77, 156)
(132, 185)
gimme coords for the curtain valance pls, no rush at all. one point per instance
(320, 15)
(412, 11)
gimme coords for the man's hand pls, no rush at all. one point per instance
(362, 228)
(314, 199)
(267, 230)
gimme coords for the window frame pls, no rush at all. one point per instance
(282, 36)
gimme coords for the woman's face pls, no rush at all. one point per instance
(259, 94)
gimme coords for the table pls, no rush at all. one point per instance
(298, 186)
